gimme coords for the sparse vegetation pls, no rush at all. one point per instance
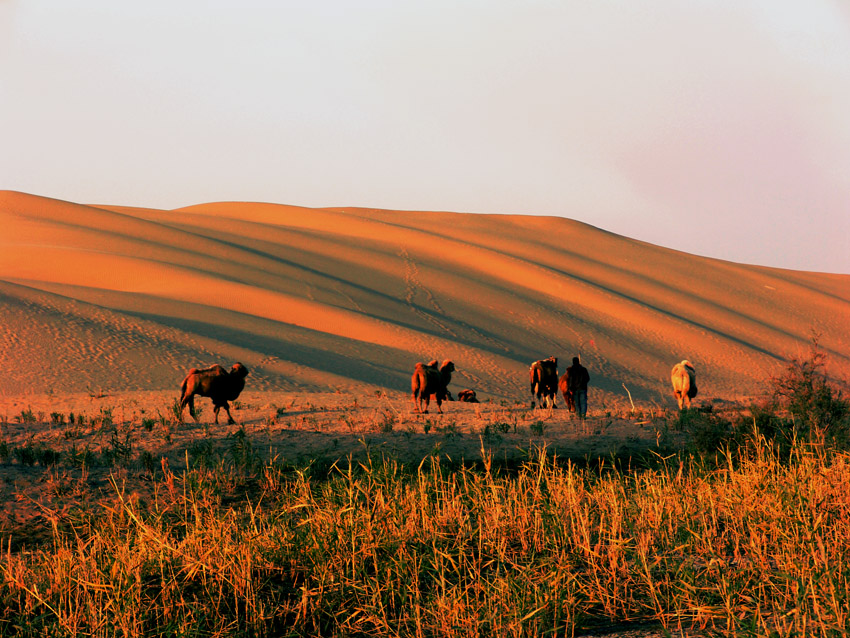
(813, 407)
(386, 421)
(382, 550)
(176, 411)
(449, 430)
(743, 533)
(26, 416)
(103, 419)
(803, 405)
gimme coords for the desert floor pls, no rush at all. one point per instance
(297, 430)
(307, 431)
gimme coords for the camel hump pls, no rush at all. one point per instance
(213, 368)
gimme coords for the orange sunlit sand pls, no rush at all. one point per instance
(121, 298)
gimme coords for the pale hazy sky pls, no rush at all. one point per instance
(717, 127)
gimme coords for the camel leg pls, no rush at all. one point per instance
(188, 401)
(568, 400)
(427, 399)
(215, 411)
(226, 407)
(191, 403)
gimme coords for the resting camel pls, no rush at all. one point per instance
(684, 379)
(544, 381)
(467, 396)
(216, 383)
(429, 379)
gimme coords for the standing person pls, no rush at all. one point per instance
(577, 380)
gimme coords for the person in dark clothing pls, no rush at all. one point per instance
(577, 380)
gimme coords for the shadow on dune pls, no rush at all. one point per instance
(385, 367)
(378, 365)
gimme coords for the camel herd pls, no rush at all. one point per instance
(431, 379)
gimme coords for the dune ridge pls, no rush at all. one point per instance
(117, 297)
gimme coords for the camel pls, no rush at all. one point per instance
(544, 381)
(429, 379)
(216, 383)
(684, 379)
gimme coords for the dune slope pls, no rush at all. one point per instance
(110, 298)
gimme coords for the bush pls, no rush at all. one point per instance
(710, 432)
(26, 416)
(802, 404)
(815, 409)
(766, 422)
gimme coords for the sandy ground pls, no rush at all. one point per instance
(295, 429)
(299, 429)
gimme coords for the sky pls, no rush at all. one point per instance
(716, 127)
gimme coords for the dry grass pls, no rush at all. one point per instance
(755, 546)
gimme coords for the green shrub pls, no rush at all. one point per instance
(176, 410)
(80, 458)
(802, 405)
(26, 416)
(25, 454)
(146, 460)
(119, 452)
(241, 450)
(387, 421)
(815, 408)
(46, 456)
(491, 434)
(710, 432)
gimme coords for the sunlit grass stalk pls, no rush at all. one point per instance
(753, 545)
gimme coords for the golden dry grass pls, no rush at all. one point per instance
(755, 546)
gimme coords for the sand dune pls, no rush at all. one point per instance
(111, 297)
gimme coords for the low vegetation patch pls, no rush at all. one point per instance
(753, 546)
(803, 405)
